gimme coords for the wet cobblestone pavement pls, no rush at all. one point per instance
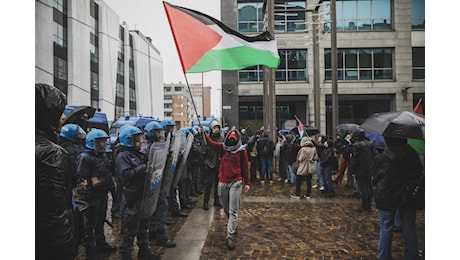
(273, 226)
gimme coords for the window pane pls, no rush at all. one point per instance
(365, 58)
(365, 74)
(327, 59)
(382, 58)
(364, 10)
(418, 14)
(381, 9)
(349, 10)
(418, 57)
(351, 59)
(340, 54)
(351, 74)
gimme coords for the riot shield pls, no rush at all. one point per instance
(171, 164)
(182, 162)
(155, 167)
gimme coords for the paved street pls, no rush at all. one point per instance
(274, 226)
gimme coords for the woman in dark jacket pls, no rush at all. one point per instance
(54, 220)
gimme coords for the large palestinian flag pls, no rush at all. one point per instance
(204, 43)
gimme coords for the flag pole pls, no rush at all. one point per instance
(193, 102)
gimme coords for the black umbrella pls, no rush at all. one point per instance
(348, 127)
(403, 124)
(75, 116)
(76, 112)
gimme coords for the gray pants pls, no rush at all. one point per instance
(229, 196)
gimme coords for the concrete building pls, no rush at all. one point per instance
(381, 60)
(84, 49)
(178, 103)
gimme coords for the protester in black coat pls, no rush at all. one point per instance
(54, 219)
(362, 156)
(396, 173)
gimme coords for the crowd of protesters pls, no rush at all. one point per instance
(76, 173)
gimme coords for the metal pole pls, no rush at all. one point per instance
(335, 96)
(316, 87)
(269, 79)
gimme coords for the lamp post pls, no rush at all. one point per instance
(334, 88)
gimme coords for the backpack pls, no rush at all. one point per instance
(266, 148)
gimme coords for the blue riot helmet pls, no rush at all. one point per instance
(186, 129)
(73, 133)
(96, 140)
(167, 124)
(127, 135)
(155, 131)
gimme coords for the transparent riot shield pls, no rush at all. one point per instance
(171, 164)
(155, 167)
(183, 155)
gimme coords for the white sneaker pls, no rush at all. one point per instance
(286, 181)
(279, 179)
(293, 196)
(271, 182)
(262, 182)
(305, 196)
(321, 188)
(314, 186)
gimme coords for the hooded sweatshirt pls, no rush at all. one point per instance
(306, 155)
(234, 160)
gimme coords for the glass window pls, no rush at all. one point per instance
(290, 16)
(59, 5)
(120, 68)
(418, 14)
(59, 34)
(250, 17)
(361, 64)
(120, 91)
(60, 68)
(361, 15)
(418, 63)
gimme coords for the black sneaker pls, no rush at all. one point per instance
(166, 243)
(104, 247)
(230, 244)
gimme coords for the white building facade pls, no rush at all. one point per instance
(82, 48)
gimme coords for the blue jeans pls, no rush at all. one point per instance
(409, 233)
(327, 175)
(318, 175)
(267, 163)
(291, 172)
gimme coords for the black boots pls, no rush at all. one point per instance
(145, 253)
(205, 205)
(230, 244)
(166, 243)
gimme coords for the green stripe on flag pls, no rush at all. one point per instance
(418, 145)
(234, 59)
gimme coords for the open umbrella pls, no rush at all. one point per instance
(348, 127)
(402, 124)
(377, 140)
(74, 115)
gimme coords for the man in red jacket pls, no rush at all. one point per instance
(233, 170)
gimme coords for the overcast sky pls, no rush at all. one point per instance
(149, 17)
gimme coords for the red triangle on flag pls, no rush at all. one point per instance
(192, 37)
(418, 108)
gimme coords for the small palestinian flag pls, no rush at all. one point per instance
(205, 44)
